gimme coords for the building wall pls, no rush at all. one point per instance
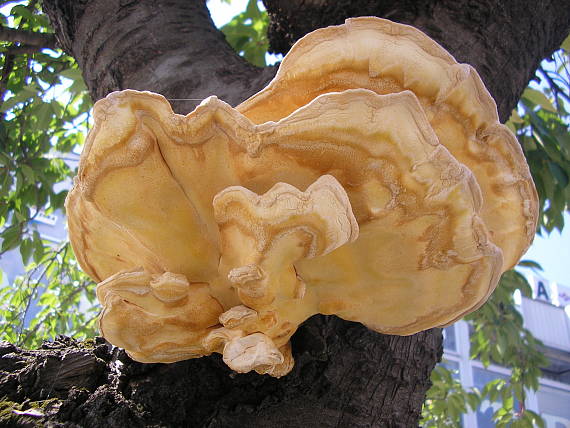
(51, 228)
(549, 323)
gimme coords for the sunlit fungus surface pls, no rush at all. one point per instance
(371, 179)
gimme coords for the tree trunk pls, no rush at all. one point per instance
(345, 375)
(505, 40)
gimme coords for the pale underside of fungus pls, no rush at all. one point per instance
(370, 179)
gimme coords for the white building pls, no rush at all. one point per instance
(545, 317)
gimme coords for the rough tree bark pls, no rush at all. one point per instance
(345, 375)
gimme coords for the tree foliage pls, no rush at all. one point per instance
(45, 112)
(541, 125)
(45, 115)
(247, 33)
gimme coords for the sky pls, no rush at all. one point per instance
(552, 252)
(222, 12)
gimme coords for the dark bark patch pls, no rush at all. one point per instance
(345, 376)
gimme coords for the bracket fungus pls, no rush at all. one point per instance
(370, 179)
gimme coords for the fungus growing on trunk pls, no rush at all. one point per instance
(223, 230)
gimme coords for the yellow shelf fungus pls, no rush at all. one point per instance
(370, 179)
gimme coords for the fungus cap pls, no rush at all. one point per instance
(223, 230)
(387, 57)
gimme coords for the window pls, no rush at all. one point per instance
(486, 410)
(553, 407)
(449, 339)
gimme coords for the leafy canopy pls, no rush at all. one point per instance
(44, 108)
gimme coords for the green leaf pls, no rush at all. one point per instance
(538, 98)
(38, 247)
(508, 403)
(515, 117)
(560, 175)
(28, 173)
(72, 74)
(11, 238)
(530, 264)
(44, 114)
(48, 299)
(535, 417)
(566, 44)
(24, 94)
(23, 11)
(473, 400)
(252, 10)
(57, 108)
(521, 423)
(247, 33)
(26, 248)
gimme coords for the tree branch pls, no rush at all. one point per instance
(23, 49)
(10, 55)
(28, 38)
(167, 46)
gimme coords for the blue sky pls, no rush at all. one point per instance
(553, 253)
